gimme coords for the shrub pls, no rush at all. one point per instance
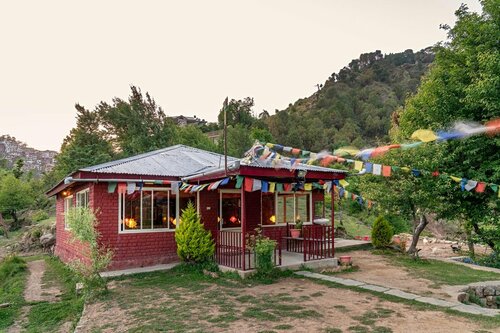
(264, 249)
(493, 260)
(381, 233)
(39, 215)
(194, 242)
(82, 223)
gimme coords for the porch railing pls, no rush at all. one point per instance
(231, 252)
(315, 242)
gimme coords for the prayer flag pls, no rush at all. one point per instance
(265, 186)
(415, 172)
(287, 187)
(424, 135)
(295, 151)
(272, 187)
(248, 184)
(456, 179)
(130, 187)
(257, 185)
(308, 187)
(224, 181)
(279, 187)
(494, 187)
(358, 165)
(112, 187)
(239, 181)
(471, 184)
(343, 183)
(369, 167)
(386, 170)
(481, 186)
(377, 169)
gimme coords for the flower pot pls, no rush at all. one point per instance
(366, 238)
(345, 260)
(396, 240)
(295, 233)
(358, 237)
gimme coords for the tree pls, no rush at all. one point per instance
(18, 168)
(464, 84)
(194, 242)
(15, 195)
(85, 145)
(238, 112)
(192, 136)
(238, 140)
(136, 126)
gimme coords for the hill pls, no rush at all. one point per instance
(12, 150)
(353, 107)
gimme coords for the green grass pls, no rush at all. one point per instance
(48, 316)
(442, 273)
(354, 227)
(13, 275)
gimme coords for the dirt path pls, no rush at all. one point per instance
(35, 291)
(378, 270)
(342, 309)
(23, 318)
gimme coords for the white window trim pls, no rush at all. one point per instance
(77, 194)
(144, 231)
(66, 227)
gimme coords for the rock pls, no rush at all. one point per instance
(4, 305)
(79, 288)
(490, 300)
(463, 297)
(47, 240)
(479, 291)
(497, 292)
(489, 291)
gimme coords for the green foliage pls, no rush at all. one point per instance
(381, 233)
(463, 84)
(238, 112)
(85, 145)
(194, 242)
(15, 195)
(12, 280)
(192, 136)
(83, 223)
(353, 107)
(39, 215)
(492, 260)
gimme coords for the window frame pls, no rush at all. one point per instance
(121, 204)
(85, 192)
(220, 222)
(67, 199)
(281, 224)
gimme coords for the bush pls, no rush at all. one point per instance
(493, 260)
(381, 233)
(39, 215)
(263, 248)
(194, 242)
(83, 223)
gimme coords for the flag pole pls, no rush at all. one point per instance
(224, 107)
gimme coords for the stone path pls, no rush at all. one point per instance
(34, 291)
(471, 309)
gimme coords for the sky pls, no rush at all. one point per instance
(189, 55)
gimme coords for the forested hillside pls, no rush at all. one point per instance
(354, 106)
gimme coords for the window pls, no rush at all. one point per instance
(268, 209)
(230, 209)
(82, 198)
(68, 203)
(291, 206)
(151, 209)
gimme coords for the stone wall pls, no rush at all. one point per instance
(487, 295)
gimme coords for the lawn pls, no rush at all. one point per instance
(184, 299)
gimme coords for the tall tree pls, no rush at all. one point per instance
(15, 195)
(85, 145)
(137, 125)
(238, 112)
(464, 84)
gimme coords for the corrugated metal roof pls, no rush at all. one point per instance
(285, 164)
(175, 161)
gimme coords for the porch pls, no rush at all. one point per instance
(314, 248)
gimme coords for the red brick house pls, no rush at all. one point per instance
(139, 200)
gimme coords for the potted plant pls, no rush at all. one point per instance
(295, 232)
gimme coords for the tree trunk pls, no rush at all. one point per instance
(4, 226)
(416, 233)
(478, 232)
(15, 224)
(470, 242)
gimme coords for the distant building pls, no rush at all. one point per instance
(184, 121)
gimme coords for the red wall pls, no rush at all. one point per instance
(146, 249)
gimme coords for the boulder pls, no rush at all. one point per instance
(47, 240)
(463, 297)
(489, 291)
